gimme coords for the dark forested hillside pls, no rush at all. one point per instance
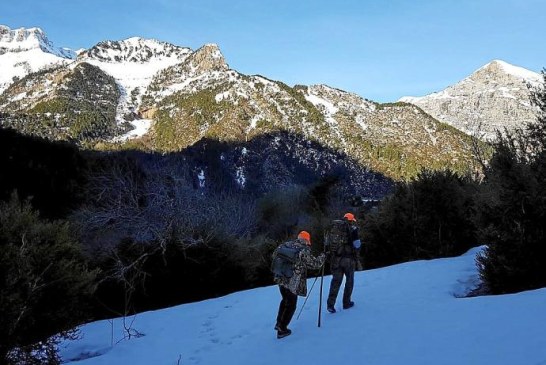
(51, 174)
(142, 216)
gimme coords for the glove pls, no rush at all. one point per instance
(322, 257)
(356, 244)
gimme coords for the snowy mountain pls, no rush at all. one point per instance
(173, 97)
(494, 97)
(23, 51)
(412, 313)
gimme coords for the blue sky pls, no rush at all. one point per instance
(381, 50)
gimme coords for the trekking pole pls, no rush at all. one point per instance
(320, 297)
(321, 281)
(307, 297)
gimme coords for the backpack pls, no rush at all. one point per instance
(284, 260)
(337, 237)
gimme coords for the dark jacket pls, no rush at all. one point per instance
(348, 249)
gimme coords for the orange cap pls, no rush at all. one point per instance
(305, 236)
(349, 217)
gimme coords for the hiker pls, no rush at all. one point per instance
(291, 276)
(344, 249)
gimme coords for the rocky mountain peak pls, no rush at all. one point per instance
(494, 97)
(499, 73)
(208, 58)
(501, 70)
(22, 37)
(27, 50)
(25, 39)
(135, 50)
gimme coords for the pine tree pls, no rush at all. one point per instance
(426, 218)
(513, 209)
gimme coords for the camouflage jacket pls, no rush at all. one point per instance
(297, 284)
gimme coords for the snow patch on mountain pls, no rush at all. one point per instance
(221, 96)
(240, 177)
(189, 84)
(133, 63)
(444, 94)
(316, 100)
(327, 108)
(140, 128)
(361, 121)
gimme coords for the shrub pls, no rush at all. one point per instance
(44, 284)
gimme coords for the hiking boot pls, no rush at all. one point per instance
(283, 333)
(331, 309)
(348, 305)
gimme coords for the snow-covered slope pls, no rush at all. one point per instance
(495, 96)
(404, 314)
(133, 62)
(333, 103)
(23, 51)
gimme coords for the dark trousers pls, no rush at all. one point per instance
(287, 307)
(342, 266)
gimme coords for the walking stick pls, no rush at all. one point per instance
(308, 294)
(321, 281)
(320, 298)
